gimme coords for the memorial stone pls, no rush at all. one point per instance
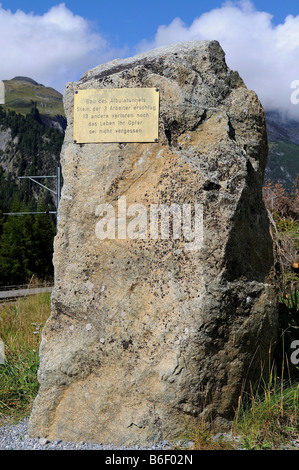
(156, 325)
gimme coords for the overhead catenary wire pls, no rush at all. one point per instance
(57, 192)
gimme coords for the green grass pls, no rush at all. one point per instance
(20, 97)
(270, 418)
(21, 324)
(199, 436)
(267, 419)
(18, 384)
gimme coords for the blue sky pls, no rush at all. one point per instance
(55, 42)
(128, 22)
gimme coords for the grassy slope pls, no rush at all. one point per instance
(21, 95)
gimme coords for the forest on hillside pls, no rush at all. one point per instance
(26, 241)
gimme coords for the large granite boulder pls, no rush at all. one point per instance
(147, 334)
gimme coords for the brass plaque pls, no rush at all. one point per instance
(116, 115)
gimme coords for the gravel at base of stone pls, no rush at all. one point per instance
(15, 437)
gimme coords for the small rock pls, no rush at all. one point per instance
(43, 441)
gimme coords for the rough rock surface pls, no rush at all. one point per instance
(146, 336)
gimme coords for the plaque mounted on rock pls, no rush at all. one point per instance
(116, 115)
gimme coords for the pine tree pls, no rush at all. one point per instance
(43, 236)
(16, 248)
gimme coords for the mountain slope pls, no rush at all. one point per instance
(283, 156)
(27, 147)
(23, 93)
(32, 125)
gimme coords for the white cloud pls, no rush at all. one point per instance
(52, 48)
(58, 47)
(265, 55)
